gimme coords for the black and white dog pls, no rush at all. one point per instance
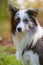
(27, 35)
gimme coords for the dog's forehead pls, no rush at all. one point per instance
(22, 14)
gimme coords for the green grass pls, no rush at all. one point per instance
(6, 58)
(7, 49)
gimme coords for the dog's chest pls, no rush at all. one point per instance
(22, 40)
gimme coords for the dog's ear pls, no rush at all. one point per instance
(32, 12)
(13, 9)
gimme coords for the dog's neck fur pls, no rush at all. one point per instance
(24, 39)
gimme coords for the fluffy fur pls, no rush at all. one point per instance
(25, 29)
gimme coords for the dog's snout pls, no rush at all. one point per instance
(19, 29)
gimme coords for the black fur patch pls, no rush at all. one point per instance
(39, 50)
(32, 12)
(32, 18)
(13, 24)
(13, 11)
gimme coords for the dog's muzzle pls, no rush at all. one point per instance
(19, 29)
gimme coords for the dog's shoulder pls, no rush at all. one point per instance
(39, 49)
(39, 45)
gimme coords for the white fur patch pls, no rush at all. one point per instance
(31, 58)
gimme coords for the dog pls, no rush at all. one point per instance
(27, 35)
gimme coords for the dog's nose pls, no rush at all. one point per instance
(19, 29)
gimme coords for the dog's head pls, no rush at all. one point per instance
(23, 20)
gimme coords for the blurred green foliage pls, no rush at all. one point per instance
(3, 10)
(7, 58)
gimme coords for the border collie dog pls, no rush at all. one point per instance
(27, 36)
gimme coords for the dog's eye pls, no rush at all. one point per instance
(18, 19)
(26, 21)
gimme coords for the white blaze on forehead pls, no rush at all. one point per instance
(22, 14)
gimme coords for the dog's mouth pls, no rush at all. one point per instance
(21, 33)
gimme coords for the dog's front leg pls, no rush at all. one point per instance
(31, 58)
